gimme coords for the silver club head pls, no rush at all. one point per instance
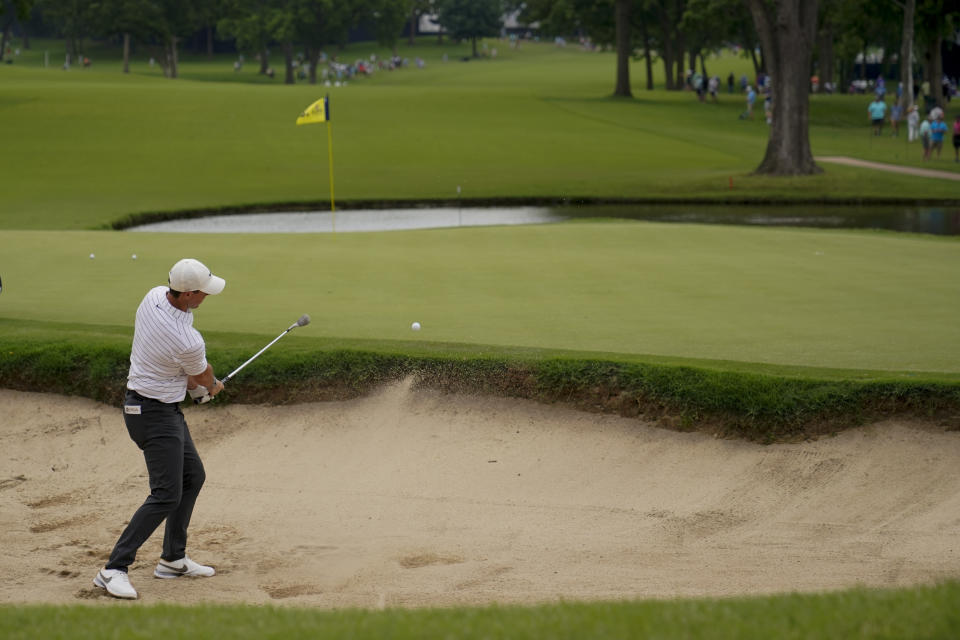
(303, 321)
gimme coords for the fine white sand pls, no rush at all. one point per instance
(415, 498)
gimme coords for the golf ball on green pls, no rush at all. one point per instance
(415, 326)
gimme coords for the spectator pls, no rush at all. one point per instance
(698, 86)
(751, 98)
(913, 122)
(712, 87)
(877, 110)
(743, 83)
(925, 137)
(896, 113)
(730, 81)
(938, 129)
(956, 139)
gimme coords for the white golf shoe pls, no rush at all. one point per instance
(116, 582)
(182, 567)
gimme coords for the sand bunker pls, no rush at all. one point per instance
(414, 498)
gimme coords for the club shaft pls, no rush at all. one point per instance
(255, 356)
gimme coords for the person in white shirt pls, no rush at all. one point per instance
(913, 123)
(167, 360)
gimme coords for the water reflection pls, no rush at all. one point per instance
(357, 220)
(933, 220)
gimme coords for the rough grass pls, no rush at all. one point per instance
(922, 612)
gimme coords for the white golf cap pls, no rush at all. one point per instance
(193, 275)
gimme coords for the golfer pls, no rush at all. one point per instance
(168, 358)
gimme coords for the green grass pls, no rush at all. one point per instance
(89, 146)
(814, 298)
(924, 612)
(758, 324)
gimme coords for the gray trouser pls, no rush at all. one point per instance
(176, 475)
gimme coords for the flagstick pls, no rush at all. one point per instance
(333, 211)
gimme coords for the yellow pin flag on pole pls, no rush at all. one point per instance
(317, 112)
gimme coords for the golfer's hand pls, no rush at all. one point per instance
(217, 387)
(200, 394)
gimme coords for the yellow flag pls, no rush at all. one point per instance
(319, 111)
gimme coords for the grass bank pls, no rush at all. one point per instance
(763, 406)
(923, 612)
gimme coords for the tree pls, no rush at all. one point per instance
(174, 19)
(909, 8)
(470, 19)
(669, 15)
(10, 12)
(415, 9)
(73, 19)
(787, 29)
(281, 24)
(388, 17)
(126, 18)
(624, 48)
(247, 22)
(935, 20)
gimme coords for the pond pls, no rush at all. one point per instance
(916, 219)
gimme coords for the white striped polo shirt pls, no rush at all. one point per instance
(166, 349)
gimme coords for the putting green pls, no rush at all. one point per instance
(858, 300)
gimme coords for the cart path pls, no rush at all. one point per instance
(895, 168)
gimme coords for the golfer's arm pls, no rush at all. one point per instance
(207, 379)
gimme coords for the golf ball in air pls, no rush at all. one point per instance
(415, 326)
(92, 256)
(133, 257)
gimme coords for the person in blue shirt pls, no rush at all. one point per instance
(877, 111)
(751, 98)
(938, 129)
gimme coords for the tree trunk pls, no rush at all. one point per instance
(756, 63)
(646, 54)
(4, 40)
(624, 49)
(936, 70)
(666, 54)
(313, 58)
(787, 31)
(825, 56)
(680, 81)
(126, 52)
(906, 55)
(413, 25)
(288, 63)
(174, 60)
(473, 40)
(263, 61)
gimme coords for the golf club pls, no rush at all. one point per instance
(303, 321)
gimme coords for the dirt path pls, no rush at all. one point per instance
(895, 168)
(412, 498)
